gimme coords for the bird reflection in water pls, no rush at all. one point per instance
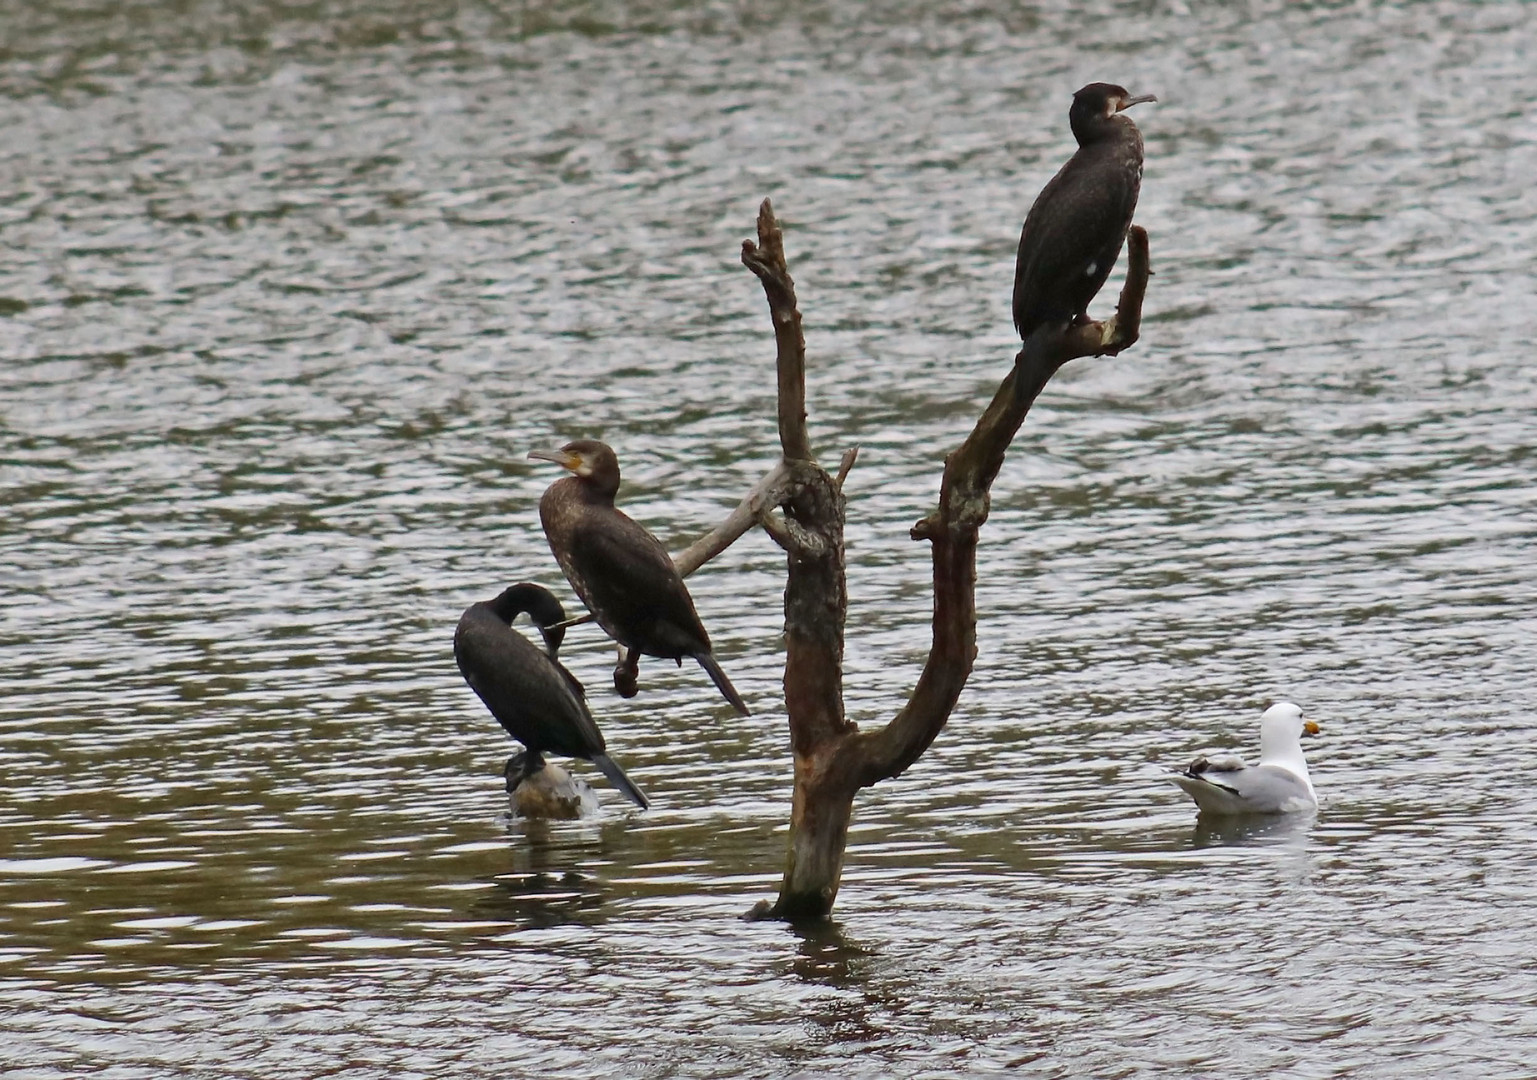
(548, 883)
(1238, 830)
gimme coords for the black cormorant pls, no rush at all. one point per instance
(1075, 230)
(531, 693)
(622, 573)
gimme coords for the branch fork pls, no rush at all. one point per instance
(833, 758)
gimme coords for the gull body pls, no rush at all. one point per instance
(1278, 784)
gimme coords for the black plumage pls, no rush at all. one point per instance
(622, 573)
(1074, 232)
(530, 693)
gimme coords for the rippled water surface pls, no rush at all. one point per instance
(287, 295)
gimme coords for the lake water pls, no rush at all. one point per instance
(288, 294)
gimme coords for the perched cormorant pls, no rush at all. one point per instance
(531, 693)
(1075, 230)
(622, 573)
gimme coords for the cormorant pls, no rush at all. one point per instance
(622, 573)
(1075, 230)
(531, 693)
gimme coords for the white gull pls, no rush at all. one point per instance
(1278, 784)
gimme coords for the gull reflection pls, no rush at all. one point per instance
(1239, 830)
(548, 882)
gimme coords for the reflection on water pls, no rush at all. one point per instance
(1258, 830)
(826, 955)
(288, 295)
(549, 884)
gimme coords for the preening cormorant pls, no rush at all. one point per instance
(622, 573)
(1074, 231)
(530, 692)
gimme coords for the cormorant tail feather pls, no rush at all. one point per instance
(723, 684)
(617, 777)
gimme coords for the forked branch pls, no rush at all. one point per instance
(833, 759)
(963, 507)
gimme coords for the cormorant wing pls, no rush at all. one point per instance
(1072, 237)
(571, 680)
(634, 585)
(536, 700)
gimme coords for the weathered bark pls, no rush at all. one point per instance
(833, 759)
(816, 603)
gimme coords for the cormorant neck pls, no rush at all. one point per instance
(600, 487)
(1096, 127)
(535, 600)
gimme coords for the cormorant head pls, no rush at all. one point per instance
(540, 605)
(513, 772)
(1095, 104)
(592, 462)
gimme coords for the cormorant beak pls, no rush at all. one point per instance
(1309, 728)
(565, 460)
(1128, 102)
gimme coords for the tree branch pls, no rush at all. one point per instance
(850, 456)
(767, 492)
(833, 758)
(766, 259)
(963, 507)
(811, 530)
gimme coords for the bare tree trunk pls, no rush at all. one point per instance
(833, 758)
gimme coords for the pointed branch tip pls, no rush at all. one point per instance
(850, 456)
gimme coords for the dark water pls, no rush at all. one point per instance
(287, 295)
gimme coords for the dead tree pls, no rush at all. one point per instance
(833, 758)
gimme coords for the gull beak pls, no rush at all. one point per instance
(1309, 728)
(1128, 102)
(560, 457)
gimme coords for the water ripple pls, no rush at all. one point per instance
(291, 294)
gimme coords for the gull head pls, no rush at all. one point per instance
(1280, 735)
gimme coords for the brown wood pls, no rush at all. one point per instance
(833, 759)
